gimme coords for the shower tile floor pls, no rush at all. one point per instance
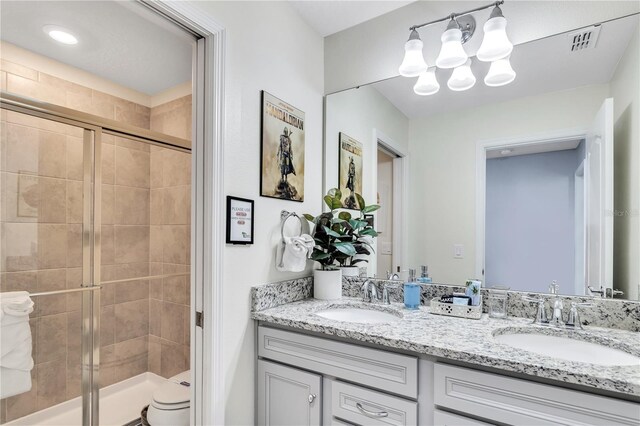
(120, 404)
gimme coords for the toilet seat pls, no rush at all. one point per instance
(170, 403)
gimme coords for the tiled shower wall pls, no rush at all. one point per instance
(46, 184)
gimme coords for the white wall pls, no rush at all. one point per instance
(625, 89)
(530, 221)
(373, 50)
(268, 47)
(442, 151)
(360, 113)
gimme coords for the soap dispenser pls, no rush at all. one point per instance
(412, 291)
(424, 275)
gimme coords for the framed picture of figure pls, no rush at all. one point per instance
(350, 171)
(282, 150)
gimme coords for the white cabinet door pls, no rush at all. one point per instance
(442, 418)
(287, 396)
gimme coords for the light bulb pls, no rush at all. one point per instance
(495, 44)
(427, 83)
(59, 34)
(451, 53)
(500, 73)
(462, 78)
(413, 63)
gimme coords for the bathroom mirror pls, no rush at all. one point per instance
(519, 185)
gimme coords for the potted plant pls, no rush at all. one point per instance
(339, 238)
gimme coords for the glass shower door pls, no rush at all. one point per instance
(46, 249)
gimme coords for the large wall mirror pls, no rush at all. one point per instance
(519, 185)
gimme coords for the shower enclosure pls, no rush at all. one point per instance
(95, 225)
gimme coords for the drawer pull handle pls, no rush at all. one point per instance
(373, 414)
(312, 397)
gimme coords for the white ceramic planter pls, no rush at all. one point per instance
(327, 284)
(350, 271)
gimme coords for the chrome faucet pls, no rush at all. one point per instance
(385, 293)
(392, 277)
(369, 291)
(556, 308)
(541, 312)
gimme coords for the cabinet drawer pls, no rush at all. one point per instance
(516, 401)
(388, 371)
(368, 407)
(442, 418)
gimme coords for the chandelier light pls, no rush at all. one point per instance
(495, 48)
(462, 78)
(413, 63)
(427, 83)
(495, 44)
(452, 53)
(500, 73)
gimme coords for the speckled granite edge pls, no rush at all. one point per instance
(607, 313)
(270, 295)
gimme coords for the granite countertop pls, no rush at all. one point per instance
(469, 341)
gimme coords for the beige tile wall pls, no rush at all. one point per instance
(170, 176)
(41, 165)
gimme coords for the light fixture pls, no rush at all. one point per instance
(500, 73)
(59, 34)
(506, 151)
(495, 44)
(462, 78)
(452, 53)
(427, 83)
(413, 63)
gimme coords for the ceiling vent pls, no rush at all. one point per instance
(585, 38)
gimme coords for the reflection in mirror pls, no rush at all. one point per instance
(520, 185)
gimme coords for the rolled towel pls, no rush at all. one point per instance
(295, 251)
(15, 343)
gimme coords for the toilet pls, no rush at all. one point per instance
(170, 403)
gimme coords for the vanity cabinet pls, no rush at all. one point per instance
(288, 396)
(305, 380)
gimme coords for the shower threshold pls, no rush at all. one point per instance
(120, 404)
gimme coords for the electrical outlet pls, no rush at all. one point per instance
(458, 251)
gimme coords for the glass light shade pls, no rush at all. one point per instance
(451, 53)
(413, 64)
(427, 83)
(495, 44)
(462, 78)
(500, 73)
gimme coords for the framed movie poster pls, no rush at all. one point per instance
(239, 220)
(350, 171)
(282, 150)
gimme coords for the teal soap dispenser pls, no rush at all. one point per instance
(412, 291)
(424, 275)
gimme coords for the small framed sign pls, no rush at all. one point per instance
(239, 220)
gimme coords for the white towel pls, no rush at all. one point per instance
(15, 343)
(294, 252)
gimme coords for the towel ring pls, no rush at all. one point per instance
(284, 216)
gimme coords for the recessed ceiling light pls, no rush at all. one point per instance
(506, 151)
(59, 34)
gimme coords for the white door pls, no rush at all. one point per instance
(287, 396)
(599, 183)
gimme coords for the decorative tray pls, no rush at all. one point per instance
(461, 311)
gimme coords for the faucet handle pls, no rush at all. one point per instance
(573, 319)
(385, 292)
(541, 313)
(554, 287)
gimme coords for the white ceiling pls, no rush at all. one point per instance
(120, 41)
(541, 66)
(329, 17)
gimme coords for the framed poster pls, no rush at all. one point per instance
(239, 220)
(349, 171)
(282, 150)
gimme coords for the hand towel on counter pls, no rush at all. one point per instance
(294, 252)
(15, 343)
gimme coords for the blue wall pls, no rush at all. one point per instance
(530, 222)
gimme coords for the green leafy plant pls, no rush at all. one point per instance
(339, 236)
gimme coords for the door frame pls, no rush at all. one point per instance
(207, 390)
(400, 195)
(482, 146)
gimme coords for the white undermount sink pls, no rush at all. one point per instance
(569, 349)
(358, 315)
